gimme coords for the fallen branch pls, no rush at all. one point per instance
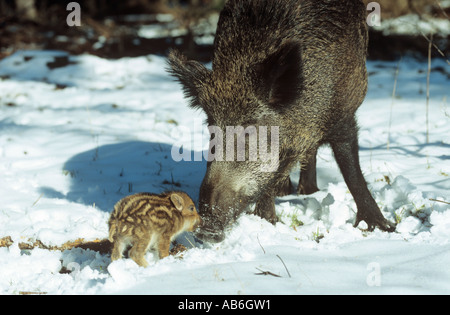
(102, 246)
(266, 273)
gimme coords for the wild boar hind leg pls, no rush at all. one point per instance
(308, 178)
(137, 252)
(286, 188)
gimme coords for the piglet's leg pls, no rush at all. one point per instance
(138, 251)
(119, 246)
(163, 246)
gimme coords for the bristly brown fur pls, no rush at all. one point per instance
(192, 75)
(295, 64)
(145, 220)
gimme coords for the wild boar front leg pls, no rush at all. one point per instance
(346, 154)
(265, 208)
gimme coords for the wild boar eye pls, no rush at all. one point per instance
(191, 208)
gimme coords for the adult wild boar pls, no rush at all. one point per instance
(295, 64)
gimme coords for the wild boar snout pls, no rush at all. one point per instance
(219, 206)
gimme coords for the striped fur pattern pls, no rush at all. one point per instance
(148, 221)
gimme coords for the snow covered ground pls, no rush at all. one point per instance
(412, 24)
(75, 139)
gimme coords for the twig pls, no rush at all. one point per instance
(448, 203)
(37, 200)
(285, 266)
(436, 47)
(392, 103)
(130, 187)
(266, 273)
(193, 246)
(430, 41)
(428, 88)
(443, 11)
(260, 244)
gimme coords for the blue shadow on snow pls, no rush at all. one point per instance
(104, 175)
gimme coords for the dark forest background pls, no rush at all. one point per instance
(41, 24)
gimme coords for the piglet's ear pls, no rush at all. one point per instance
(177, 201)
(191, 74)
(282, 75)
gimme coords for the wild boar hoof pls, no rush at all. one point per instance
(272, 218)
(375, 221)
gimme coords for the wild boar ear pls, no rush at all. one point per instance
(282, 75)
(191, 74)
(177, 201)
